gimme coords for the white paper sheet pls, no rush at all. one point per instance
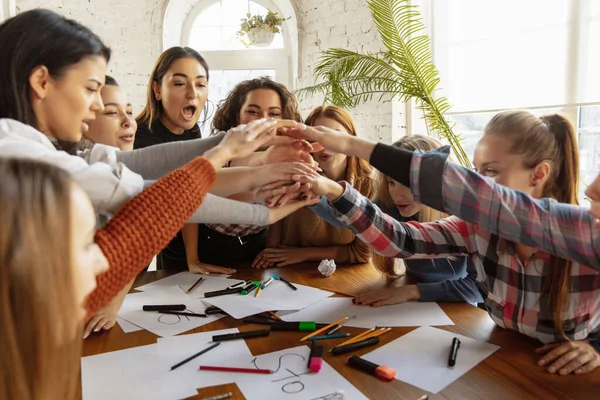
(174, 349)
(285, 297)
(145, 372)
(164, 324)
(186, 280)
(135, 373)
(240, 306)
(406, 314)
(420, 357)
(127, 326)
(292, 380)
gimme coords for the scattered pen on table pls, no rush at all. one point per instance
(259, 289)
(356, 338)
(164, 307)
(185, 314)
(246, 282)
(334, 336)
(194, 285)
(179, 364)
(234, 369)
(453, 352)
(288, 283)
(424, 397)
(315, 333)
(268, 281)
(339, 292)
(219, 396)
(338, 326)
(277, 317)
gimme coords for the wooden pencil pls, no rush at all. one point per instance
(339, 292)
(323, 329)
(275, 315)
(378, 333)
(360, 336)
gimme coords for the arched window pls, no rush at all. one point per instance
(210, 27)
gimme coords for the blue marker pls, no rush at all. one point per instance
(334, 336)
(268, 282)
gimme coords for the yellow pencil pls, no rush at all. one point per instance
(378, 333)
(323, 329)
(275, 315)
(259, 289)
(358, 337)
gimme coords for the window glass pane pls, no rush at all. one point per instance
(504, 54)
(589, 147)
(215, 28)
(210, 16)
(220, 84)
(589, 78)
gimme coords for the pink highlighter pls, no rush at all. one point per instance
(315, 360)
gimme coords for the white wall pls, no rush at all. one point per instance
(133, 30)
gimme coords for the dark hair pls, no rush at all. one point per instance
(110, 81)
(32, 39)
(153, 109)
(228, 113)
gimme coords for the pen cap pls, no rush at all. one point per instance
(355, 346)
(315, 360)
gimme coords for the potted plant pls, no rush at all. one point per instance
(403, 70)
(259, 30)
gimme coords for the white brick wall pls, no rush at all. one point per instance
(324, 24)
(133, 30)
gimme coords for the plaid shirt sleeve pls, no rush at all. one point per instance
(391, 238)
(564, 230)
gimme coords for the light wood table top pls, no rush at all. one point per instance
(509, 373)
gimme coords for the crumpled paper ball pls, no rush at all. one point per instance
(327, 267)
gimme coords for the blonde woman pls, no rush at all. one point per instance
(438, 279)
(304, 235)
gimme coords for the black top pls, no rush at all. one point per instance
(172, 256)
(393, 162)
(160, 134)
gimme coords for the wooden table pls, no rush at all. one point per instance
(510, 373)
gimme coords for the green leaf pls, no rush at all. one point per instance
(403, 71)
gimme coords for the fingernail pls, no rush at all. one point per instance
(85, 335)
(578, 371)
(541, 362)
(305, 197)
(563, 371)
(551, 370)
(278, 204)
(97, 330)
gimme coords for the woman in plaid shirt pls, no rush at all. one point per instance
(506, 232)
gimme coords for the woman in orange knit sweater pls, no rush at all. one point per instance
(304, 236)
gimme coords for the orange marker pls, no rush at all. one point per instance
(382, 372)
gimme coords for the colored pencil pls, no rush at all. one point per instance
(334, 336)
(219, 396)
(338, 327)
(234, 369)
(315, 333)
(194, 285)
(259, 289)
(378, 333)
(179, 364)
(275, 315)
(358, 337)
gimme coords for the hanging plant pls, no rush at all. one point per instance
(259, 30)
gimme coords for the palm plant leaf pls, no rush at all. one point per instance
(403, 71)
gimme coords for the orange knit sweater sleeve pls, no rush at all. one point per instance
(146, 224)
